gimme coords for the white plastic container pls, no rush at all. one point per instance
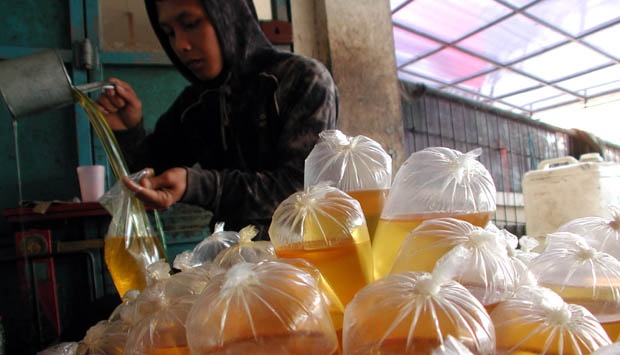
(565, 188)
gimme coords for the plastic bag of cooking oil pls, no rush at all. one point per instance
(211, 246)
(131, 243)
(326, 227)
(581, 275)
(269, 307)
(357, 165)
(520, 253)
(64, 348)
(164, 292)
(246, 250)
(105, 337)
(613, 349)
(536, 320)
(601, 233)
(413, 313)
(432, 183)
(475, 257)
(162, 331)
(331, 300)
(452, 346)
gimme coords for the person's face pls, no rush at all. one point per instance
(191, 36)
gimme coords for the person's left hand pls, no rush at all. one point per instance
(160, 191)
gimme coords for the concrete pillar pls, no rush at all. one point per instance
(355, 41)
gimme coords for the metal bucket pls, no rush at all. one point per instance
(37, 83)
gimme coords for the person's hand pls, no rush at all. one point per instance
(121, 106)
(160, 191)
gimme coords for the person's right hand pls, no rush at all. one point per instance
(121, 106)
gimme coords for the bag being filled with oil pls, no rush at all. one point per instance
(326, 227)
(475, 257)
(414, 313)
(131, 243)
(432, 183)
(603, 234)
(268, 307)
(357, 165)
(581, 275)
(537, 321)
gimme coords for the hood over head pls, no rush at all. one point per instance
(245, 48)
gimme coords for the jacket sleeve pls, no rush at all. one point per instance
(163, 148)
(307, 99)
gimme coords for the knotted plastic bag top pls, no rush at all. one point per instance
(320, 213)
(601, 233)
(208, 248)
(348, 163)
(581, 275)
(475, 257)
(272, 306)
(414, 312)
(441, 180)
(538, 321)
(246, 250)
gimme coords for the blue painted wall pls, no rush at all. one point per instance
(51, 145)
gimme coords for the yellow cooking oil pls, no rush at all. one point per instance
(126, 268)
(180, 350)
(296, 343)
(417, 333)
(532, 338)
(391, 233)
(345, 264)
(604, 305)
(372, 202)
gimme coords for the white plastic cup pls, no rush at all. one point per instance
(92, 182)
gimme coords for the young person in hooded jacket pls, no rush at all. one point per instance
(235, 140)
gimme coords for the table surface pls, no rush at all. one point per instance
(55, 211)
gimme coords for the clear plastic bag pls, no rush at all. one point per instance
(452, 346)
(131, 243)
(331, 300)
(246, 250)
(414, 313)
(357, 165)
(105, 337)
(475, 257)
(326, 227)
(613, 349)
(64, 348)
(432, 183)
(163, 331)
(161, 294)
(601, 233)
(537, 321)
(268, 307)
(581, 275)
(208, 249)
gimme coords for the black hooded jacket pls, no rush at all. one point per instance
(249, 130)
